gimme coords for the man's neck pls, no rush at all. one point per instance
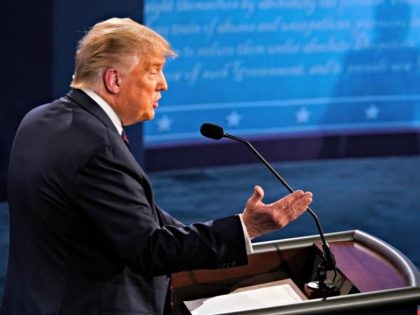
(107, 108)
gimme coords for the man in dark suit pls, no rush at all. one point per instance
(86, 236)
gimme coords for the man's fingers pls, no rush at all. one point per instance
(289, 199)
(297, 200)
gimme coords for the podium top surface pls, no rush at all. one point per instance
(356, 253)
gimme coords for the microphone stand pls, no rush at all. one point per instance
(319, 287)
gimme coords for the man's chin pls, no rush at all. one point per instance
(151, 115)
(139, 120)
(147, 117)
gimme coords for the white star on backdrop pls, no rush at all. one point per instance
(164, 123)
(302, 116)
(372, 112)
(233, 119)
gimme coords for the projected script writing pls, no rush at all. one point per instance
(280, 67)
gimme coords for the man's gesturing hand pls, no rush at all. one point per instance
(260, 218)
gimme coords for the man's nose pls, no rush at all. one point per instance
(162, 85)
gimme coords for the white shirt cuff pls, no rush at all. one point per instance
(248, 244)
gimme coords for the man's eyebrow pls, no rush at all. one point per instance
(154, 64)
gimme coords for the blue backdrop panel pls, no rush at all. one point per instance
(275, 68)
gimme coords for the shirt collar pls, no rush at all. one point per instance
(107, 109)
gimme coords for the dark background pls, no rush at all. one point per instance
(39, 40)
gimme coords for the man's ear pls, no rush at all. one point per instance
(111, 81)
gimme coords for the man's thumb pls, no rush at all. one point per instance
(258, 194)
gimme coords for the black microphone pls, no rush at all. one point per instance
(328, 263)
(212, 131)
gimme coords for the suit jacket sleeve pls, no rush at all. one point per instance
(116, 196)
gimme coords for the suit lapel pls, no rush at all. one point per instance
(84, 101)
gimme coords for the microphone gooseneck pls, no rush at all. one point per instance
(216, 132)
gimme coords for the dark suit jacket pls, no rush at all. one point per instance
(86, 236)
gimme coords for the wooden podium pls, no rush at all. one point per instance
(373, 277)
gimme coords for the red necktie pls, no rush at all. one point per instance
(125, 138)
